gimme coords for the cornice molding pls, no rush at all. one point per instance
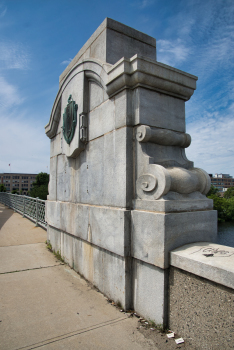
(140, 71)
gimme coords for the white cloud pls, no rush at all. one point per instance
(206, 38)
(215, 56)
(13, 56)
(24, 145)
(9, 95)
(212, 147)
(172, 52)
(142, 4)
(67, 61)
(3, 11)
(146, 3)
(23, 142)
(205, 48)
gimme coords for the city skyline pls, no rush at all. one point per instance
(39, 39)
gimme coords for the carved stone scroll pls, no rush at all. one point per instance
(171, 179)
(162, 136)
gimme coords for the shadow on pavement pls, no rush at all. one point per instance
(5, 214)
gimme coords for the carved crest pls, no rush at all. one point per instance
(69, 120)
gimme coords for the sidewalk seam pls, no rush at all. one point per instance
(71, 334)
(35, 268)
(6, 246)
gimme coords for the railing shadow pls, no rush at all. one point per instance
(29, 207)
(5, 214)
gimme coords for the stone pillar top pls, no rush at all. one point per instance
(111, 41)
(142, 71)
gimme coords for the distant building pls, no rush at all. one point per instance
(222, 181)
(16, 181)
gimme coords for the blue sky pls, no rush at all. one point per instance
(38, 38)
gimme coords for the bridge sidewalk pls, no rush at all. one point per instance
(45, 304)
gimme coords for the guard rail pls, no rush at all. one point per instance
(32, 208)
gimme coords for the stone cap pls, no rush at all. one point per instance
(111, 41)
(142, 71)
(212, 261)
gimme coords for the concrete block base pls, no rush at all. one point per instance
(149, 291)
(155, 234)
(109, 272)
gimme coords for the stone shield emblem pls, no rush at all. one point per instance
(69, 120)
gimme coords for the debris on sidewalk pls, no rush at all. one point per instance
(171, 335)
(179, 341)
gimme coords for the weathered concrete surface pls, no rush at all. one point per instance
(212, 261)
(155, 234)
(29, 256)
(49, 305)
(113, 198)
(18, 230)
(107, 271)
(149, 288)
(201, 311)
(108, 228)
(55, 308)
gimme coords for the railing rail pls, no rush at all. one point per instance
(32, 208)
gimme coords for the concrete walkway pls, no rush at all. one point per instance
(45, 304)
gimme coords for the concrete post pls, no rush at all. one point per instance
(124, 195)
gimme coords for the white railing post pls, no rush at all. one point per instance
(24, 207)
(14, 202)
(37, 211)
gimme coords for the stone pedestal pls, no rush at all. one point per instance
(122, 193)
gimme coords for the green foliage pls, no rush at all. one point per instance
(2, 188)
(15, 191)
(213, 190)
(56, 254)
(59, 256)
(224, 206)
(40, 186)
(48, 245)
(229, 193)
(230, 208)
(41, 179)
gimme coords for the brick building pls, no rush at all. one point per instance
(222, 181)
(16, 181)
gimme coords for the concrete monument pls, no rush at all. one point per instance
(122, 193)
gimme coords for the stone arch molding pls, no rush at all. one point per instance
(90, 74)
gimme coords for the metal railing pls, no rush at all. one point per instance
(32, 208)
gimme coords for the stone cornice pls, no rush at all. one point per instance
(140, 71)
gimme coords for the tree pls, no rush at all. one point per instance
(229, 193)
(15, 191)
(213, 190)
(218, 203)
(230, 208)
(2, 188)
(40, 186)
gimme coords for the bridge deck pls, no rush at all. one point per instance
(45, 304)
